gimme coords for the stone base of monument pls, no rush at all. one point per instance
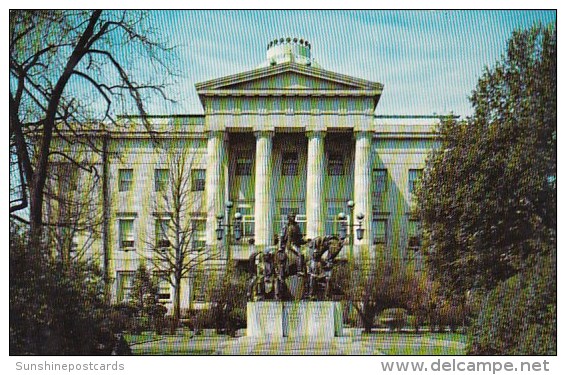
(317, 320)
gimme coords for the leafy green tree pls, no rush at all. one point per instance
(519, 316)
(488, 196)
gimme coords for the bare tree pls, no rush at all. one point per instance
(177, 247)
(73, 217)
(70, 73)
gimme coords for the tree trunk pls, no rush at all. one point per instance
(177, 298)
(363, 313)
(35, 216)
(37, 184)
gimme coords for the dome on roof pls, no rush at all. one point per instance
(289, 49)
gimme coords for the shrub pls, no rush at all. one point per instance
(519, 317)
(125, 308)
(228, 300)
(117, 320)
(453, 315)
(236, 319)
(157, 314)
(200, 319)
(144, 292)
(418, 303)
(55, 308)
(447, 313)
(138, 324)
(167, 324)
(374, 287)
(351, 316)
(340, 279)
(394, 319)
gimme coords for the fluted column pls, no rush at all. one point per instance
(263, 212)
(215, 183)
(362, 185)
(315, 184)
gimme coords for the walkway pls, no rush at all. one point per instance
(353, 343)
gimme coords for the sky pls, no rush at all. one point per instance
(428, 60)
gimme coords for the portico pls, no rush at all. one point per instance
(295, 104)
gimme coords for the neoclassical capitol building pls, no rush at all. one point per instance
(286, 137)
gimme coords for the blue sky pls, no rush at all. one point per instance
(429, 61)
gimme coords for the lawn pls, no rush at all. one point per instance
(182, 343)
(384, 343)
(417, 344)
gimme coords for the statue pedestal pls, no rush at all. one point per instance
(264, 319)
(313, 319)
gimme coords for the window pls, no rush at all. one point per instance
(414, 177)
(199, 287)
(161, 233)
(198, 234)
(125, 179)
(248, 227)
(198, 179)
(379, 183)
(248, 222)
(290, 165)
(414, 231)
(163, 286)
(244, 164)
(288, 210)
(333, 223)
(127, 234)
(125, 285)
(379, 231)
(161, 178)
(68, 176)
(335, 164)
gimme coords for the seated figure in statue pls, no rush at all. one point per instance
(262, 267)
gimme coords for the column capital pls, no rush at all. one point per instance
(362, 132)
(216, 133)
(314, 133)
(264, 133)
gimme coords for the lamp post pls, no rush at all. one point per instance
(221, 225)
(359, 231)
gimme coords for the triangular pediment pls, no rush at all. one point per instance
(289, 81)
(288, 77)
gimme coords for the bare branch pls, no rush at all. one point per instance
(89, 169)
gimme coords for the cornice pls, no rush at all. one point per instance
(288, 92)
(287, 112)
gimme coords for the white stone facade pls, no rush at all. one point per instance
(285, 137)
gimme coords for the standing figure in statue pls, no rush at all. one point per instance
(292, 240)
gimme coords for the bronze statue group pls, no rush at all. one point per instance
(271, 267)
